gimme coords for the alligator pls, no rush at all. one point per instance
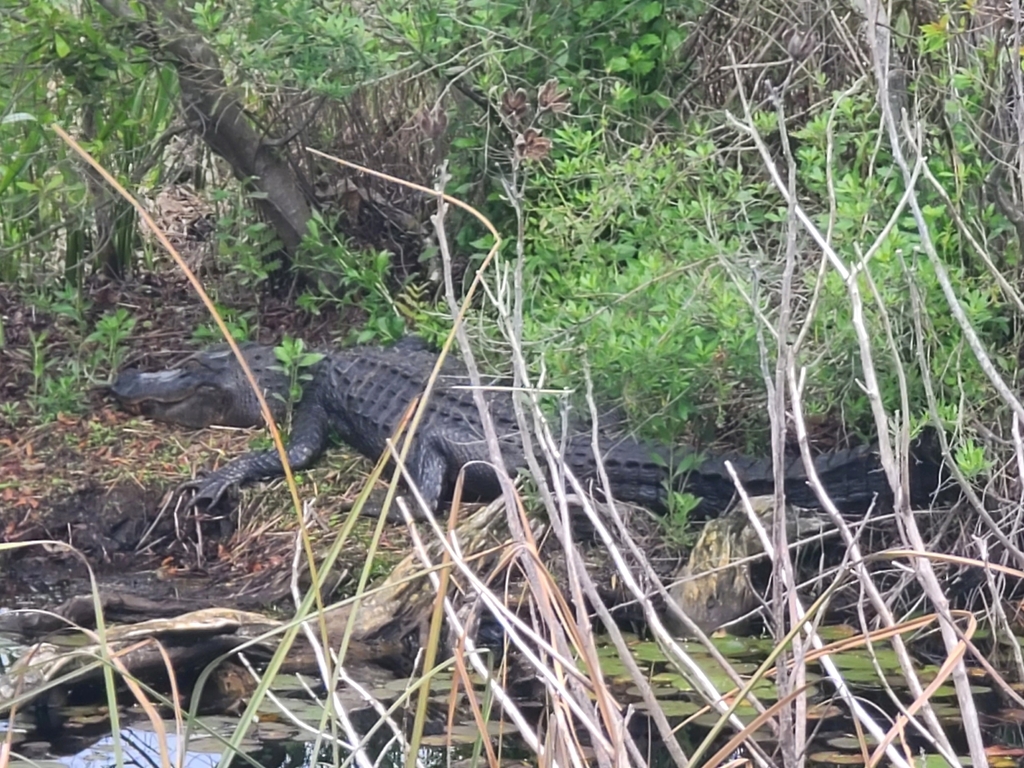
(361, 394)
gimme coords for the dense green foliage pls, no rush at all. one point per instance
(646, 262)
(654, 242)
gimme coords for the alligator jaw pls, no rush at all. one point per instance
(207, 388)
(176, 396)
(133, 387)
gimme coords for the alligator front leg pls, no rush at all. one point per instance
(427, 469)
(309, 437)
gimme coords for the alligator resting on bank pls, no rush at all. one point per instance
(361, 395)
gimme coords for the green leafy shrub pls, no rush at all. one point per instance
(647, 265)
(295, 361)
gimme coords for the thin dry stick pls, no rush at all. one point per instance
(264, 408)
(507, 490)
(520, 633)
(813, 638)
(917, 304)
(327, 673)
(655, 710)
(497, 459)
(965, 231)
(489, 434)
(948, 667)
(878, 39)
(934, 731)
(500, 611)
(691, 671)
(793, 722)
(558, 513)
(885, 449)
(1001, 619)
(268, 417)
(830, 184)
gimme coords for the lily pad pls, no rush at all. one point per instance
(731, 646)
(936, 761)
(836, 758)
(744, 713)
(865, 676)
(665, 677)
(660, 692)
(648, 651)
(674, 707)
(835, 632)
(614, 668)
(679, 682)
(823, 711)
(850, 742)
(862, 659)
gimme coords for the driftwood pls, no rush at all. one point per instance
(389, 626)
(63, 669)
(390, 622)
(714, 586)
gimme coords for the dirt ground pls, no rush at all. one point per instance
(103, 482)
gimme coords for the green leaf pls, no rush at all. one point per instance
(618, 64)
(662, 100)
(63, 49)
(650, 11)
(16, 117)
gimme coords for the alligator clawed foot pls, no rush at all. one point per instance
(209, 490)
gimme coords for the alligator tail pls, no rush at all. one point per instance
(641, 473)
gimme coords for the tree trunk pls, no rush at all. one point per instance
(215, 113)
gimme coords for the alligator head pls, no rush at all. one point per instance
(207, 388)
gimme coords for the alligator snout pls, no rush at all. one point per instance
(207, 388)
(168, 396)
(133, 386)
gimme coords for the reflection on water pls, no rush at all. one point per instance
(84, 739)
(276, 742)
(140, 747)
(270, 745)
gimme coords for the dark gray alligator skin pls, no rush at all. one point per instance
(361, 395)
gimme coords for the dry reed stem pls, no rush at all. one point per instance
(690, 670)
(228, 755)
(500, 612)
(573, 696)
(888, 460)
(878, 37)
